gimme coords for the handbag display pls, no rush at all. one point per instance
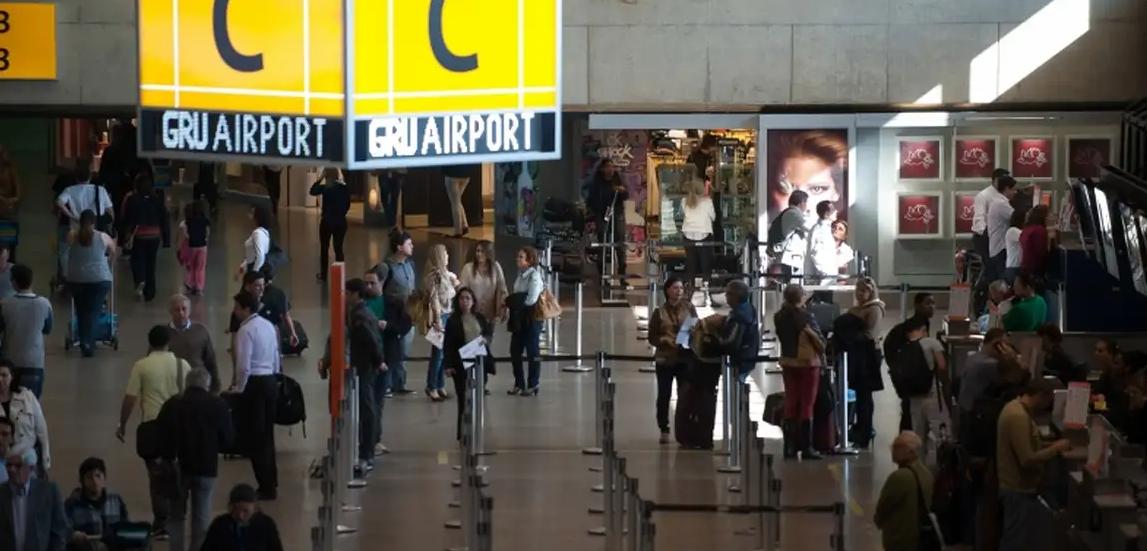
(547, 306)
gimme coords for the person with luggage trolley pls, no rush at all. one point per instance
(90, 254)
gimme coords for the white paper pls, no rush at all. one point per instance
(473, 349)
(435, 337)
(1075, 411)
(685, 331)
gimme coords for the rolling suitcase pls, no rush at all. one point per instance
(775, 408)
(233, 405)
(697, 407)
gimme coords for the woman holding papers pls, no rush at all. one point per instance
(468, 334)
(439, 283)
(666, 324)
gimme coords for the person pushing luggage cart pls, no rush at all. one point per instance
(90, 257)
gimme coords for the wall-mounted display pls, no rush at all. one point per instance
(815, 161)
(963, 209)
(1085, 154)
(919, 215)
(920, 158)
(975, 157)
(1033, 157)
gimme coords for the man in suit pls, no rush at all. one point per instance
(31, 511)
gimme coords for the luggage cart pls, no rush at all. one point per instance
(107, 323)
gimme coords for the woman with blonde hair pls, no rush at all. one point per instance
(439, 285)
(484, 277)
(697, 227)
(864, 377)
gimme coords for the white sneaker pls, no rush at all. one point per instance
(380, 449)
(139, 291)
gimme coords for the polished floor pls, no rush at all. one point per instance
(539, 478)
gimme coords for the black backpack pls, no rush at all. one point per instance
(911, 375)
(291, 408)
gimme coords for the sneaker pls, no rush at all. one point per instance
(160, 534)
(404, 392)
(139, 291)
(380, 449)
(388, 394)
(664, 438)
(442, 395)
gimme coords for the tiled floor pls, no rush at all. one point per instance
(539, 478)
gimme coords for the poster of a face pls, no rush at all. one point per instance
(1086, 155)
(975, 158)
(514, 198)
(920, 158)
(813, 161)
(918, 215)
(1033, 158)
(963, 209)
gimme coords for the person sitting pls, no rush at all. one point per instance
(905, 492)
(1056, 361)
(999, 302)
(244, 527)
(1029, 309)
(92, 510)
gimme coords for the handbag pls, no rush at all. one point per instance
(148, 439)
(547, 306)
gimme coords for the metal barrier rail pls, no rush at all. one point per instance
(476, 522)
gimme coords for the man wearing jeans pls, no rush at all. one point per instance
(195, 427)
(24, 321)
(1020, 455)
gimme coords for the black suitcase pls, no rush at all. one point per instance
(696, 411)
(233, 405)
(285, 341)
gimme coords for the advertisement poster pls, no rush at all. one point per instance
(975, 158)
(1033, 158)
(627, 151)
(814, 161)
(918, 215)
(1086, 155)
(920, 158)
(514, 198)
(963, 209)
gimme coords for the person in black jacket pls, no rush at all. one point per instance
(364, 346)
(146, 226)
(464, 325)
(244, 527)
(194, 428)
(332, 224)
(606, 204)
(923, 308)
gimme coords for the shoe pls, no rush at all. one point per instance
(357, 472)
(139, 291)
(664, 437)
(388, 394)
(87, 352)
(532, 391)
(433, 394)
(267, 495)
(789, 437)
(380, 449)
(807, 451)
(515, 391)
(442, 394)
(160, 534)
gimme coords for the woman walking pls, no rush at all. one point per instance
(194, 232)
(21, 407)
(525, 330)
(864, 376)
(332, 224)
(439, 284)
(671, 359)
(484, 277)
(147, 228)
(462, 327)
(802, 349)
(698, 227)
(258, 244)
(89, 276)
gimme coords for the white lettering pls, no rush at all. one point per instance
(458, 134)
(170, 129)
(266, 132)
(286, 136)
(494, 132)
(250, 127)
(199, 138)
(222, 134)
(477, 128)
(302, 133)
(430, 137)
(528, 126)
(510, 133)
(185, 121)
(320, 125)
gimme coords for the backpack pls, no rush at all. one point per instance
(983, 424)
(775, 243)
(911, 376)
(291, 408)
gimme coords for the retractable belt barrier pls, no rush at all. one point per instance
(338, 471)
(476, 522)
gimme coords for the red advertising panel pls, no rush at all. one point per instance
(975, 158)
(1033, 158)
(1086, 155)
(919, 215)
(920, 159)
(963, 207)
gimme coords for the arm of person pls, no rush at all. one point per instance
(208, 356)
(109, 244)
(273, 541)
(243, 351)
(41, 427)
(537, 285)
(656, 339)
(130, 396)
(64, 203)
(317, 188)
(47, 329)
(226, 428)
(290, 322)
(106, 200)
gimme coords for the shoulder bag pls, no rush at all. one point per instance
(547, 306)
(930, 538)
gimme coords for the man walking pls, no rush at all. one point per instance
(191, 341)
(154, 380)
(31, 509)
(257, 362)
(398, 282)
(195, 426)
(24, 320)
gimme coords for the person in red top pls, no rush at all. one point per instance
(1035, 242)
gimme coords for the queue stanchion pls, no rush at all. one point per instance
(598, 394)
(751, 477)
(1061, 310)
(652, 366)
(579, 318)
(607, 439)
(468, 463)
(738, 452)
(344, 461)
(843, 446)
(838, 528)
(485, 525)
(632, 515)
(608, 475)
(615, 535)
(772, 498)
(728, 414)
(354, 481)
(478, 408)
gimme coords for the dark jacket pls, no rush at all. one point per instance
(194, 428)
(47, 527)
(95, 517)
(520, 315)
(455, 338)
(146, 217)
(260, 534)
(743, 322)
(336, 201)
(790, 323)
(849, 336)
(897, 338)
(364, 339)
(601, 192)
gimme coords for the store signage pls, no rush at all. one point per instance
(920, 159)
(919, 215)
(358, 83)
(27, 41)
(963, 213)
(1085, 156)
(975, 158)
(1033, 158)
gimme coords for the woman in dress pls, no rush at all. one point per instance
(525, 330)
(439, 284)
(483, 276)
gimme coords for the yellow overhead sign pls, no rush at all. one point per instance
(27, 41)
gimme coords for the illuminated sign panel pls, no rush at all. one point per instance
(27, 41)
(430, 81)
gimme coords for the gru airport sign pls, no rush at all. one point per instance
(357, 83)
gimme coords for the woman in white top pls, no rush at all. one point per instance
(258, 244)
(440, 285)
(1013, 252)
(483, 275)
(697, 226)
(524, 329)
(21, 407)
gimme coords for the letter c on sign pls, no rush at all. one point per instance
(446, 58)
(240, 62)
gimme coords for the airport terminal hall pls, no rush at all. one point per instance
(573, 275)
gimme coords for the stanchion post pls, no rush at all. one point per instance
(843, 446)
(903, 301)
(579, 289)
(1061, 311)
(608, 473)
(352, 397)
(633, 515)
(731, 413)
(773, 499)
(598, 398)
(838, 530)
(615, 522)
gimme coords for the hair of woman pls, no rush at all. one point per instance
(487, 248)
(436, 260)
(458, 300)
(531, 255)
(696, 192)
(263, 216)
(87, 227)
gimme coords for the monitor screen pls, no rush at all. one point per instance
(1134, 236)
(1106, 237)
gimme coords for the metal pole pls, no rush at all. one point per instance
(764, 464)
(838, 534)
(579, 289)
(355, 422)
(1061, 313)
(773, 499)
(903, 301)
(843, 446)
(598, 393)
(729, 415)
(652, 366)
(616, 520)
(609, 483)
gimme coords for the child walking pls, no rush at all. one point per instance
(192, 253)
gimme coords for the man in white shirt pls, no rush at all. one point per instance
(257, 362)
(998, 219)
(980, 214)
(75, 199)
